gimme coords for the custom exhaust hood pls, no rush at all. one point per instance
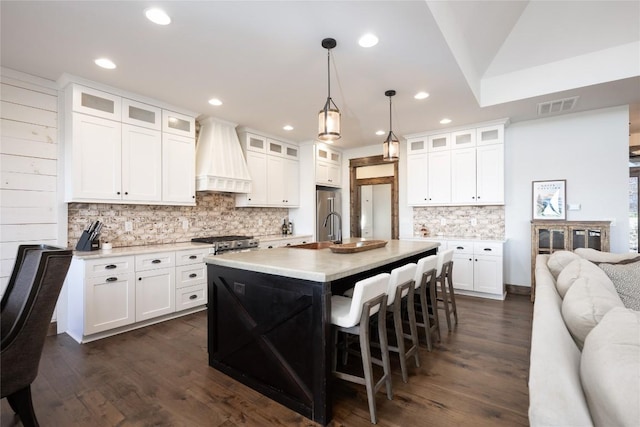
(220, 163)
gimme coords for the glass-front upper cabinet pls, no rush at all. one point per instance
(178, 124)
(139, 114)
(587, 239)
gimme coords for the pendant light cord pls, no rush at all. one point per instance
(390, 122)
(328, 73)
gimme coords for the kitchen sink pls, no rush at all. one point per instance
(313, 245)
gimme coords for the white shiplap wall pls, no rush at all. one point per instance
(29, 208)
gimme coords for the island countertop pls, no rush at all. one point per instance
(319, 265)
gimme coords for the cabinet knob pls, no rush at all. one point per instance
(473, 197)
(193, 197)
(460, 247)
(140, 278)
(478, 197)
(112, 279)
(193, 297)
(270, 247)
(118, 193)
(470, 259)
(192, 275)
(193, 256)
(126, 193)
(156, 261)
(487, 249)
(110, 267)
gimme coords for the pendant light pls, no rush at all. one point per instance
(390, 146)
(329, 116)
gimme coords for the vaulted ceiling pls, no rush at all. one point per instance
(479, 61)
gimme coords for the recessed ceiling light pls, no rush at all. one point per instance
(105, 63)
(445, 121)
(380, 132)
(215, 101)
(368, 40)
(421, 95)
(157, 16)
(288, 127)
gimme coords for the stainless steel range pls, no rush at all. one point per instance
(228, 244)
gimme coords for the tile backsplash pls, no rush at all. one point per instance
(489, 221)
(215, 214)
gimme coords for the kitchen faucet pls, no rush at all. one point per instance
(339, 233)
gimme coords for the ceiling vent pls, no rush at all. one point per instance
(557, 106)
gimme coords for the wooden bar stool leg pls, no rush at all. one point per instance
(411, 312)
(384, 349)
(445, 300)
(424, 311)
(451, 293)
(397, 323)
(434, 307)
(365, 350)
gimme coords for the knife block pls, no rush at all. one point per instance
(85, 244)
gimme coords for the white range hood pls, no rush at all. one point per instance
(220, 163)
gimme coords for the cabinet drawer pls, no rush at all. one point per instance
(191, 256)
(460, 247)
(191, 296)
(109, 266)
(189, 275)
(487, 248)
(157, 260)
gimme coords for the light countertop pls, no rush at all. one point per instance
(320, 265)
(448, 237)
(278, 237)
(139, 250)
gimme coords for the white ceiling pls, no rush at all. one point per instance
(264, 60)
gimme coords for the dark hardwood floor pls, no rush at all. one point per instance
(159, 376)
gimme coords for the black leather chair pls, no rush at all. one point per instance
(25, 316)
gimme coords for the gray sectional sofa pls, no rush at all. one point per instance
(585, 343)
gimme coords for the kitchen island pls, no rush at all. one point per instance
(269, 316)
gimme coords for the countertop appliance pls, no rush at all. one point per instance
(228, 244)
(328, 200)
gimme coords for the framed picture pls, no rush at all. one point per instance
(549, 199)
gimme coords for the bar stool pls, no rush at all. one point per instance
(401, 286)
(445, 278)
(425, 289)
(351, 316)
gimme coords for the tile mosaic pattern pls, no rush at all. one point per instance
(458, 221)
(215, 214)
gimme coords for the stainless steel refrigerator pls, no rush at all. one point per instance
(328, 200)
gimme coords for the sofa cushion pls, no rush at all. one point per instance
(584, 305)
(626, 280)
(559, 260)
(610, 369)
(580, 268)
(608, 257)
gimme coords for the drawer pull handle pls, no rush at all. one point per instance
(487, 249)
(460, 247)
(192, 275)
(112, 279)
(156, 261)
(193, 257)
(193, 297)
(110, 267)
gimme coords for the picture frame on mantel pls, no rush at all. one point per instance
(549, 199)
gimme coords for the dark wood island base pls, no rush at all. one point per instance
(272, 332)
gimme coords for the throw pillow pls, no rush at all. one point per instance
(626, 280)
(610, 369)
(608, 257)
(559, 260)
(585, 304)
(580, 268)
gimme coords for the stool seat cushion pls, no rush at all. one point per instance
(340, 308)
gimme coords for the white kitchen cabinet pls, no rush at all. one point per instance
(478, 268)
(141, 164)
(463, 167)
(274, 169)
(109, 294)
(95, 159)
(119, 150)
(155, 285)
(178, 169)
(439, 177)
(328, 166)
(490, 174)
(417, 190)
(141, 114)
(463, 176)
(191, 279)
(178, 124)
(112, 294)
(95, 102)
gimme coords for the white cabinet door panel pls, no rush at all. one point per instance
(463, 175)
(488, 274)
(109, 302)
(439, 177)
(463, 272)
(417, 180)
(490, 174)
(178, 169)
(141, 164)
(155, 293)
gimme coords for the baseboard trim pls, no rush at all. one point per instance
(53, 329)
(518, 290)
